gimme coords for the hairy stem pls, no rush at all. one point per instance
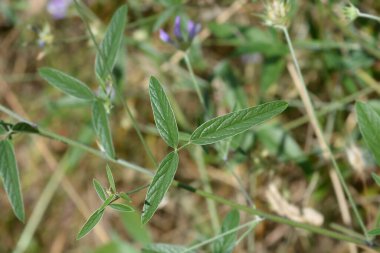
(221, 200)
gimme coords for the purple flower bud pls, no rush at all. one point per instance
(58, 8)
(193, 29)
(164, 36)
(177, 28)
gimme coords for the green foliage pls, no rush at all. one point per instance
(121, 207)
(108, 201)
(99, 190)
(226, 243)
(163, 113)
(102, 128)
(164, 248)
(66, 83)
(160, 185)
(91, 223)
(10, 176)
(374, 232)
(369, 125)
(109, 48)
(234, 123)
(111, 181)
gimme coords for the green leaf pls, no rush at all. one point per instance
(125, 196)
(109, 47)
(234, 123)
(91, 223)
(122, 207)
(376, 178)
(25, 127)
(160, 185)
(164, 248)
(369, 125)
(374, 232)
(226, 243)
(99, 190)
(111, 181)
(102, 128)
(66, 83)
(10, 176)
(163, 113)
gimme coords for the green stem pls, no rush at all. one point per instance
(123, 163)
(320, 135)
(212, 239)
(199, 159)
(368, 16)
(194, 80)
(282, 220)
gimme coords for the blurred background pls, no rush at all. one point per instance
(239, 62)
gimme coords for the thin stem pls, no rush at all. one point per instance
(118, 93)
(184, 146)
(282, 220)
(212, 239)
(369, 16)
(198, 157)
(319, 133)
(137, 189)
(194, 80)
(39, 210)
(245, 234)
(201, 193)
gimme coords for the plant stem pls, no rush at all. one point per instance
(317, 128)
(194, 80)
(369, 16)
(199, 159)
(282, 220)
(252, 223)
(274, 218)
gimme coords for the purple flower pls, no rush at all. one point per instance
(164, 36)
(193, 29)
(58, 8)
(177, 28)
(181, 40)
